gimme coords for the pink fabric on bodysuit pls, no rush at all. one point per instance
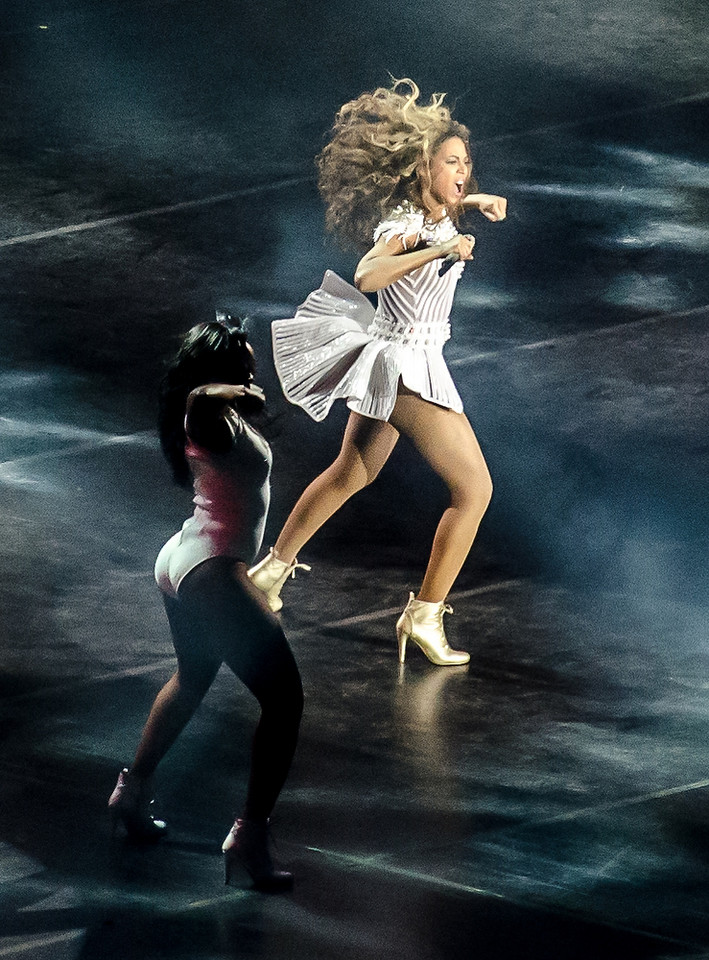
(231, 498)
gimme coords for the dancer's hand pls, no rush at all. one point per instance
(492, 207)
(461, 244)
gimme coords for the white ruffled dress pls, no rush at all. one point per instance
(338, 346)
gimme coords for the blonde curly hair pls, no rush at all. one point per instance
(379, 155)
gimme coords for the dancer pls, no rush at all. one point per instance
(400, 171)
(216, 615)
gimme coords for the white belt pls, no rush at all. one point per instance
(410, 334)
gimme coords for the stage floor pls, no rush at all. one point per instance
(549, 800)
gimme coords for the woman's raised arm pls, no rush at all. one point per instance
(492, 207)
(389, 261)
(206, 422)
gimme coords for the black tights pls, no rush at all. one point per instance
(218, 618)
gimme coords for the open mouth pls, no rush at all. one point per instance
(459, 184)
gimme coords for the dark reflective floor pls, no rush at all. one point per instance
(549, 801)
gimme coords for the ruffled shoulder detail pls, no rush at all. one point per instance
(407, 220)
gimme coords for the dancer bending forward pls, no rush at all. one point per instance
(216, 615)
(400, 171)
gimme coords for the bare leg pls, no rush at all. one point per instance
(366, 447)
(446, 441)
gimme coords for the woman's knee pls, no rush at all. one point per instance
(349, 476)
(485, 487)
(472, 489)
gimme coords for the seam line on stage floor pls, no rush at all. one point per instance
(37, 941)
(292, 635)
(296, 181)
(599, 118)
(147, 437)
(579, 335)
(392, 611)
(378, 864)
(613, 805)
(152, 212)
(458, 887)
(103, 895)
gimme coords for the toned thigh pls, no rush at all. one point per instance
(444, 438)
(367, 445)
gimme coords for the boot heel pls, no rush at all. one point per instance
(422, 622)
(231, 868)
(402, 636)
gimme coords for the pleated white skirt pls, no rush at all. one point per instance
(329, 351)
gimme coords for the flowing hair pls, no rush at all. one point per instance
(379, 154)
(214, 352)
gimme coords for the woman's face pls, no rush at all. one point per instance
(451, 167)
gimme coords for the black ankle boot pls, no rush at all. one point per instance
(130, 804)
(246, 844)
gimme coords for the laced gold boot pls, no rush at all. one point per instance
(270, 574)
(422, 622)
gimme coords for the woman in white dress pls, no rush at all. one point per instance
(399, 171)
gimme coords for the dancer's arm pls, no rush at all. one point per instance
(390, 260)
(213, 409)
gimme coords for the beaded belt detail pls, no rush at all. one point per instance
(410, 334)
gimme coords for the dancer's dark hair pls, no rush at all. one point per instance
(213, 352)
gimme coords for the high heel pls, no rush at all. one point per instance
(422, 622)
(246, 845)
(130, 805)
(270, 574)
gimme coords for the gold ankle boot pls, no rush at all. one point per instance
(422, 622)
(270, 574)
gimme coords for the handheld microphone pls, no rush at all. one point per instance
(448, 263)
